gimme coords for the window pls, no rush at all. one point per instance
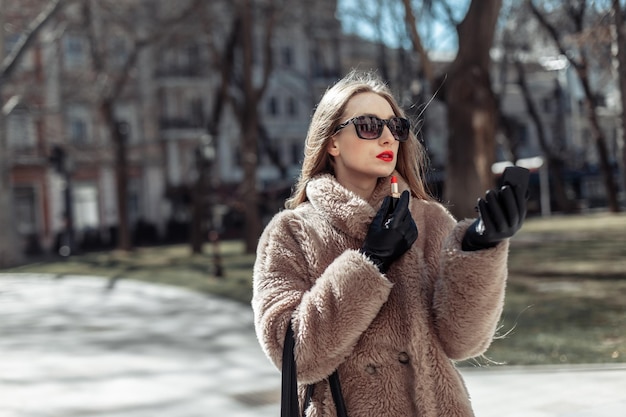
(196, 107)
(78, 125)
(20, 130)
(78, 131)
(193, 60)
(25, 209)
(119, 51)
(296, 153)
(74, 51)
(287, 56)
(272, 106)
(237, 156)
(600, 100)
(134, 200)
(292, 106)
(523, 135)
(85, 205)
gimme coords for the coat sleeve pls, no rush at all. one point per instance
(468, 295)
(329, 312)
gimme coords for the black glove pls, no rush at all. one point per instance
(391, 233)
(502, 213)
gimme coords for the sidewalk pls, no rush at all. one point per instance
(72, 346)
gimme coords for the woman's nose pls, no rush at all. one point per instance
(387, 136)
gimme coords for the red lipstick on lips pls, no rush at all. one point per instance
(386, 156)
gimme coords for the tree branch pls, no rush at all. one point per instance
(268, 59)
(138, 45)
(554, 34)
(418, 46)
(12, 60)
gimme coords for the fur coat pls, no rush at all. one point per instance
(394, 336)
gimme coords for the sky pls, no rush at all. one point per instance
(436, 34)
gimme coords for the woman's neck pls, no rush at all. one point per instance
(363, 187)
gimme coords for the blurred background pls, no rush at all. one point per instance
(152, 140)
(140, 122)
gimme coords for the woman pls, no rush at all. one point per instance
(389, 297)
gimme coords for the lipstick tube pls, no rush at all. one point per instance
(395, 195)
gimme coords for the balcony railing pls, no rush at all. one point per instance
(184, 71)
(180, 123)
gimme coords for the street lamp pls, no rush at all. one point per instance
(205, 152)
(63, 164)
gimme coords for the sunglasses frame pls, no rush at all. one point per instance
(386, 122)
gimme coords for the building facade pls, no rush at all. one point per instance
(54, 103)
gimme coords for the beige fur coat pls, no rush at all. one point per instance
(393, 337)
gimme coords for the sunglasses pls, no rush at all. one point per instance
(371, 127)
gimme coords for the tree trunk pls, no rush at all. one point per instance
(621, 70)
(249, 191)
(249, 124)
(472, 110)
(198, 209)
(121, 178)
(119, 136)
(246, 108)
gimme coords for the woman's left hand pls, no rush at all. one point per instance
(501, 215)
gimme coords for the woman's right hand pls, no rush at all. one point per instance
(391, 233)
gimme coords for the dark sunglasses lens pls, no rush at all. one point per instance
(399, 128)
(368, 127)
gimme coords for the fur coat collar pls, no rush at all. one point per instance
(345, 210)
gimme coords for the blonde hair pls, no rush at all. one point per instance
(411, 155)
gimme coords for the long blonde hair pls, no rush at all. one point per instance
(411, 155)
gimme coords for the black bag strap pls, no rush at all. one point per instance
(289, 390)
(335, 389)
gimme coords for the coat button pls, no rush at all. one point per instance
(370, 369)
(403, 357)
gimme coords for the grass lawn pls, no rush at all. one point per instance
(566, 295)
(174, 265)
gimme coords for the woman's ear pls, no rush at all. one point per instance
(332, 148)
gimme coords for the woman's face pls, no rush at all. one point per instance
(358, 161)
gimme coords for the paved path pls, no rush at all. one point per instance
(73, 347)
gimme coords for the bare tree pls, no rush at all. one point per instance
(553, 153)
(114, 78)
(10, 252)
(515, 42)
(223, 58)
(241, 52)
(418, 45)
(471, 103)
(577, 56)
(245, 99)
